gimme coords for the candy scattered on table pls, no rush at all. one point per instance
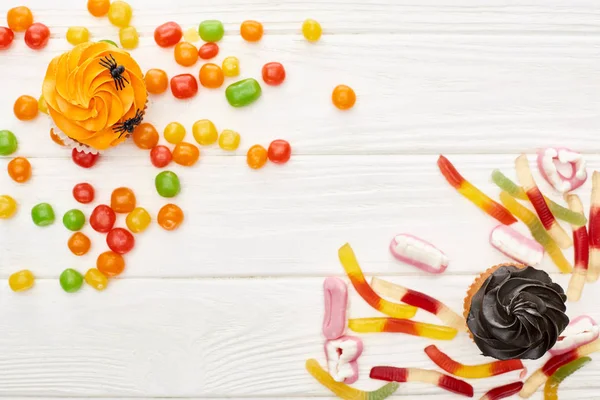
(74, 220)
(120, 240)
(98, 8)
(419, 253)
(186, 54)
(211, 30)
(582, 252)
(26, 108)
(170, 217)
(77, 35)
(256, 157)
(208, 51)
(42, 214)
(336, 301)
(229, 140)
(343, 97)
(184, 86)
(174, 132)
(21, 281)
(167, 184)
(138, 220)
(156, 80)
(71, 280)
(8, 206)
(406, 326)
(19, 18)
(8, 143)
(551, 386)
(42, 105)
(516, 246)
(342, 355)
(96, 279)
(185, 154)
(311, 30)
(251, 31)
(547, 163)
(6, 37)
(19, 169)
(122, 200)
(593, 231)
(243, 93)
(160, 156)
(120, 13)
(79, 244)
(168, 34)
(191, 35)
(581, 330)
(230, 66)
(102, 218)
(205, 132)
(393, 374)
(129, 37)
(502, 392)
(37, 36)
(84, 193)
(111, 264)
(211, 76)
(273, 73)
(145, 136)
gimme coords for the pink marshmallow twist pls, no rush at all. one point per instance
(516, 246)
(335, 292)
(581, 330)
(342, 355)
(546, 161)
(419, 253)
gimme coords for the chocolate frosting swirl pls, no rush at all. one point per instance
(517, 313)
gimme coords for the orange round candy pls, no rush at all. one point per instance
(157, 81)
(186, 54)
(251, 31)
(19, 169)
(79, 244)
(185, 154)
(145, 136)
(110, 263)
(19, 18)
(256, 157)
(211, 76)
(343, 97)
(170, 217)
(26, 108)
(98, 8)
(122, 200)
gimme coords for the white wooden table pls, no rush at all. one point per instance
(231, 304)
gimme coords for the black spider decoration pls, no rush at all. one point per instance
(116, 71)
(130, 124)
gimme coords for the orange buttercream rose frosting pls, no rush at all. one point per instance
(87, 99)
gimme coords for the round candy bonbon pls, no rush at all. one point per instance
(174, 132)
(251, 31)
(343, 97)
(184, 86)
(42, 105)
(37, 36)
(120, 240)
(74, 220)
(186, 154)
(98, 8)
(26, 108)
(96, 279)
(160, 156)
(186, 54)
(191, 35)
(138, 220)
(83, 159)
(211, 76)
(102, 218)
(145, 136)
(208, 51)
(6, 37)
(119, 14)
(273, 73)
(205, 132)
(243, 93)
(168, 34)
(211, 30)
(122, 200)
(19, 169)
(8, 206)
(19, 18)
(8, 143)
(129, 37)
(79, 244)
(42, 214)
(84, 193)
(71, 280)
(167, 184)
(157, 81)
(110, 263)
(21, 281)
(77, 35)
(311, 30)
(229, 140)
(279, 151)
(256, 156)
(170, 217)
(231, 66)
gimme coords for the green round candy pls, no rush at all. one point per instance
(74, 220)
(71, 280)
(109, 42)
(243, 93)
(8, 143)
(42, 214)
(211, 30)
(167, 184)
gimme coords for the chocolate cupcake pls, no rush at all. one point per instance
(515, 311)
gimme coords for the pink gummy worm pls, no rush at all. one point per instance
(336, 300)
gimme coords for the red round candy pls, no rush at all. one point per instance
(184, 86)
(273, 73)
(36, 36)
(102, 218)
(83, 193)
(160, 156)
(279, 151)
(208, 51)
(168, 34)
(6, 37)
(83, 159)
(120, 240)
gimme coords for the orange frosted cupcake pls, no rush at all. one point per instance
(515, 312)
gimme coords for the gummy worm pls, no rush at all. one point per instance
(414, 251)
(569, 341)
(537, 231)
(393, 374)
(393, 325)
(594, 230)
(336, 301)
(475, 195)
(502, 392)
(350, 264)
(516, 246)
(420, 300)
(472, 371)
(582, 252)
(551, 387)
(344, 391)
(517, 192)
(539, 377)
(539, 204)
(546, 164)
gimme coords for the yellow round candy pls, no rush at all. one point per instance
(205, 132)
(129, 37)
(77, 35)
(96, 279)
(229, 140)
(119, 14)
(174, 132)
(311, 30)
(191, 35)
(8, 207)
(231, 66)
(138, 220)
(42, 105)
(21, 281)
